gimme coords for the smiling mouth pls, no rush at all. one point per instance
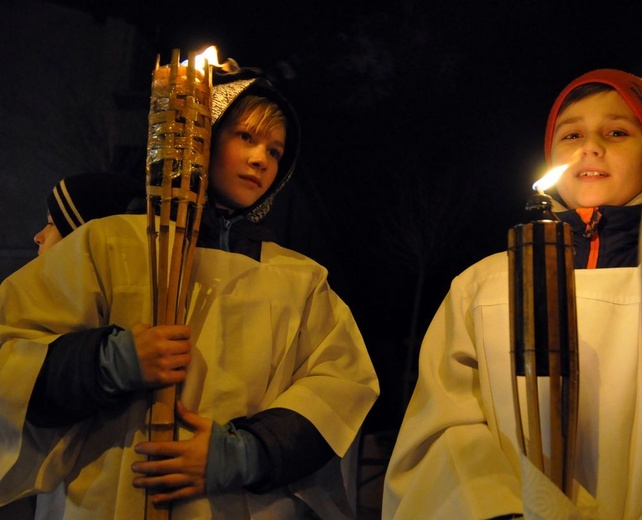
(592, 174)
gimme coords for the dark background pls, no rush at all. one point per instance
(422, 127)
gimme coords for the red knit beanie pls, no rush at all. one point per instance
(627, 85)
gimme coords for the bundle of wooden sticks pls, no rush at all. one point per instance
(543, 332)
(178, 150)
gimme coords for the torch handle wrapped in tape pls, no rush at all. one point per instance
(178, 150)
(543, 330)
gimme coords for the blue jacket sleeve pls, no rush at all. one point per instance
(294, 447)
(84, 372)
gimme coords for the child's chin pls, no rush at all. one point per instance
(594, 202)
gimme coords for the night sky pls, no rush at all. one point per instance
(422, 130)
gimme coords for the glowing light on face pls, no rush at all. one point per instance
(550, 178)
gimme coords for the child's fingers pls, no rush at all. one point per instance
(167, 488)
(174, 332)
(191, 419)
(162, 483)
(158, 449)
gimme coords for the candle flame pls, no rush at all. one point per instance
(550, 178)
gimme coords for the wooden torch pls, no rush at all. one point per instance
(178, 149)
(543, 334)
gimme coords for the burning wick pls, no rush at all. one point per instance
(549, 179)
(211, 55)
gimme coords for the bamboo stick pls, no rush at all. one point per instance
(557, 410)
(535, 450)
(571, 382)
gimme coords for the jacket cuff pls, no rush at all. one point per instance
(235, 459)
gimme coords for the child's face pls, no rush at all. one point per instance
(47, 236)
(601, 139)
(244, 164)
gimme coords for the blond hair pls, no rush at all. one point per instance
(259, 113)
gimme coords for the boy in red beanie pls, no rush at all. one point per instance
(457, 454)
(594, 127)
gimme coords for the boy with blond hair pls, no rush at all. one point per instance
(457, 454)
(275, 377)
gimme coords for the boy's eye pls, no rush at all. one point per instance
(275, 153)
(618, 133)
(246, 136)
(571, 136)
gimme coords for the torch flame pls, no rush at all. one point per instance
(210, 54)
(550, 178)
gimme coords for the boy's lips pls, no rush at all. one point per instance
(252, 179)
(591, 174)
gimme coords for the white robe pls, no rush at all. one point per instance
(266, 334)
(457, 455)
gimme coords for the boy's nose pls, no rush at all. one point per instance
(258, 157)
(593, 146)
(38, 237)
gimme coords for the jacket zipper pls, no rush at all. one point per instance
(226, 225)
